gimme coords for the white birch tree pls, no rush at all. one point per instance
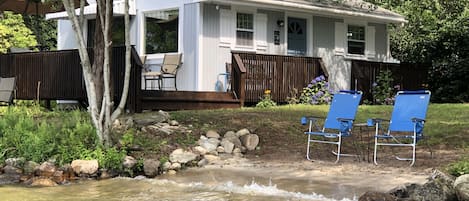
(97, 76)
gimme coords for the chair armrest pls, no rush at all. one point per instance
(344, 119)
(415, 119)
(305, 119)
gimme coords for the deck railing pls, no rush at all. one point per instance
(57, 75)
(277, 73)
(238, 78)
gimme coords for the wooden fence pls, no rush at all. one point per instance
(407, 75)
(278, 73)
(57, 75)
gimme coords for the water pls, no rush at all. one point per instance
(212, 184)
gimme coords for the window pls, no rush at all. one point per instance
(161, 34)
(356, 40)
(244, 29)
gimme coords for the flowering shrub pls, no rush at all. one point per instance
(383, 92)
(317, 92)
(266, 101)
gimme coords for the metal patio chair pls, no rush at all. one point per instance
(169, 69)
(338, 123)
(7, 89)
(406, 125)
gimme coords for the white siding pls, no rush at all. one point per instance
(227, 27)
(339, 38)
(370, 42)
(261, 32)
(189, 73)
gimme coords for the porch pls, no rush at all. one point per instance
(57, 75)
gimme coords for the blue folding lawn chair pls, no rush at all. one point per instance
(338, 123)
(406, 125)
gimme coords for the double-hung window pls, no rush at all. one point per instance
(244, 29)
(161, 31)
(356, 40)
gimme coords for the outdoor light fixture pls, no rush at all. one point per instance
(280, 23)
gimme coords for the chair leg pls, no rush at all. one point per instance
(375, 154)
(307, 148)
(175, 83)
(338, 149)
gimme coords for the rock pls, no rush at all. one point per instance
(175, 166)
(166, 165)
(237, 152)
(150, 167)
(129, 123)
(174, 123)
(376, 196)
(242, 132)
(230, 134)
(116, 124)
(235, 140)
(85, 167)
(202, 162)
(404, 191)
(58, 177)
(461, 186)
(9, 179)
(435, 189)
(227, 146)
(220, 149)
(43, 182)
(129, 162)
(212, 159)
(10, 170)
(209, 144)
(153, 119)
(15, 162)
(199, 150)
(172, 172)
(164, 114)
(250, 141)
(46, 169)
(30, 167)
(181, 156)
(68, 172)
(105, 174)
(212, 134)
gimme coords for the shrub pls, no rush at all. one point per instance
(317, 92)
(383, 92)
(266, 100)
(459, 168)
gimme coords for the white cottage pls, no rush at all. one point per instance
(206, 31)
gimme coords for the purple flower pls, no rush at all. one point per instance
(318, 79)
(375, 84)
(322, 77)
(320, 93)
(326, 84)
(313, 82)
(310, 85)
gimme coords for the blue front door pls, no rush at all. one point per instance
(296, 36)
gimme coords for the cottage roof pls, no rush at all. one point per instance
(357, 8)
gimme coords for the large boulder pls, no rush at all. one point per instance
(129, 162)
(212, 134)
(181, 156)
(199, 150)
(250, 141)
(404, 191)
(242, 132)
(227, 145)
(461, 186)
(47, 169)
(439, 187)
(150, 167)
(30, 167)
(85, 167)
(15, 162)
(42, 182)
(209, 144)
(376, 196)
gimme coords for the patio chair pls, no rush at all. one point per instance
(169, 68)
(406, 125)
(7, 89)
(338, 123)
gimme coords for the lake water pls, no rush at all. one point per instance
(309, 181)
(196, 184)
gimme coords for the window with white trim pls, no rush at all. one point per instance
(356, 39)
(161, 31)
(244, 29)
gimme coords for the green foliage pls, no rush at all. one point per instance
(26, 132)
(44, 30)
(266, 100)
(107, 158)
(14, 33)
(459, 168)
(436, 34)
(383, 91)
(127, 139)
(317, 92)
